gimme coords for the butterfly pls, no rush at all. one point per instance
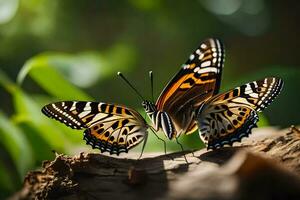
(190, 101)
(228, 117)
(197, 80)
(114, 128)
(109, 127)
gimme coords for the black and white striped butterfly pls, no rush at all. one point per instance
(108, 127)
(230, 116)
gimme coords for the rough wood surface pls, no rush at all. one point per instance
(267, 166)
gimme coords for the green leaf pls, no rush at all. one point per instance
(41, 70)
(29, 112)
(15, 142)
(57, 72)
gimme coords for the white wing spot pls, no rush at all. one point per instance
(201, 56)
(206, 63)
(214, 60)
(192, 56)
(254, 95)
(208, 69)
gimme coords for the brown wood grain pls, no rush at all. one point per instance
(267, 166)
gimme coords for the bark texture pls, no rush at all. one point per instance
(264, 166)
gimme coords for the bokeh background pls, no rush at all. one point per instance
(54, 50)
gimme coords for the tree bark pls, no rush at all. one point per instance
(264, 166)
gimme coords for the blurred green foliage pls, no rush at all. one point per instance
(71, 50)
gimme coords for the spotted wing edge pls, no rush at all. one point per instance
(244, 130)
(119, 144)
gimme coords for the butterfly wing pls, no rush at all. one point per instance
(198, 79)
(230, 116)
(109, 127)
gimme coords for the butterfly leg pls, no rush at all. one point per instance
(294, 129)
(182, 149)
(165, 144)
(143, 147)
(192, 152)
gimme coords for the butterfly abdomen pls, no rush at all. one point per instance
(166, 124)
(160, 119)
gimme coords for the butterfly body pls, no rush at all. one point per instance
(161, 120)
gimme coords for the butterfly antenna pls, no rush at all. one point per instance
(151, 81)
(130, 85)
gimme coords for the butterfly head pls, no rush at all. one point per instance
(148, 106)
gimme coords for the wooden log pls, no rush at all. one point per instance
(267, 166)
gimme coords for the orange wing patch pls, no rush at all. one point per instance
(173, 88)
(182, 84)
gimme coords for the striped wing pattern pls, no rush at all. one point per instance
(108, 127)
(204, 66)
(198, 79)
(230, 116)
